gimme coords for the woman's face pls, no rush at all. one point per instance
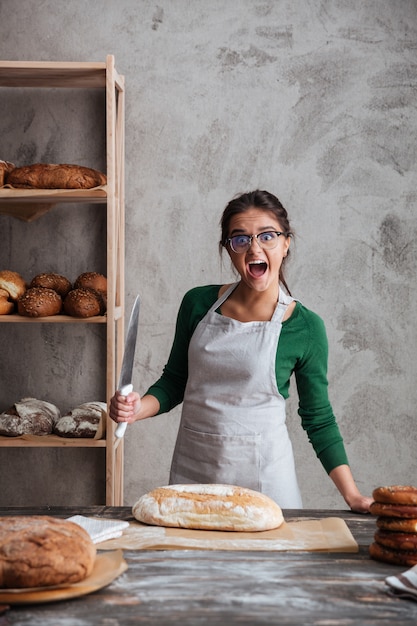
(258, 267)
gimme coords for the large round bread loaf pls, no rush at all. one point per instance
(83, 421)
(29, 416)
(208, 507)
(42, 551)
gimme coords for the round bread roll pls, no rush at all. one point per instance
(92, 280)
(58, 283)
(388, 555)
(396, 494)
(13, 283)
(5, 168)
(393, 510)
(6, 306)
(83, 303)
(42, 551)
(39, 302)
(396, 541)
(396, 524)
(55, 176)
(83, 421)
(29, 416)
(208, 507)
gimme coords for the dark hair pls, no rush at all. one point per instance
(259, 200)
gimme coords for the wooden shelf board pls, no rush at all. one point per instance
(59, 319)
(50, 441)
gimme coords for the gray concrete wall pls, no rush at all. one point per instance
(314, 101)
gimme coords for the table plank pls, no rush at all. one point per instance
(192, 587)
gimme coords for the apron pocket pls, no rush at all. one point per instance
(210, 458)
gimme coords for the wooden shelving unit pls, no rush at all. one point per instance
(29, 204)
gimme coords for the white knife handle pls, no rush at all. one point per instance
(121, 428)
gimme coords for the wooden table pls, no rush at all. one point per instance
(196, 587)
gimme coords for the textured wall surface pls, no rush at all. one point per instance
(314, 101)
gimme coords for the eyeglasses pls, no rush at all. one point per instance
(267, 240)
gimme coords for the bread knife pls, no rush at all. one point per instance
(125, 380)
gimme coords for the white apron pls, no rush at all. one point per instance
(232, 426)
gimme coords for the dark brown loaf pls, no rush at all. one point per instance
(39, 302)
(41, 551)
(92, 280)
(393, 510)
(29, 416)
(396, 524)
(13, 283)
(55, 176)
(388, 555)
(396, 494)
(58, 283)
(84, 303)
(5, 168)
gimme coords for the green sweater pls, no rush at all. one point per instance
(302, 349)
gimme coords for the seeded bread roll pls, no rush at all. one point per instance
(13, 283)
(84, 303)
(396, 524)
(388, 555)
(6, 306)
(396, 541)
(29, 416)
(58, 283)
(42, 551)
(393, 510)
(39, 302)
(55, 176)
(5, 168)
(92, 280)
(208, 507)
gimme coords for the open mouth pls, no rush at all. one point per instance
(257, 268)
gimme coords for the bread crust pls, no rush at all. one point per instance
(6, 306)
(5, 168)
(92, 280)
(39, 302)
(83, 421)
(397, 541)
(393, 510)
(42, 551)
(208, 507)
(387, 555)
(29, 416)
(55, 176)
(58, 283)
(84, 303)
(13, 283)
(396, 494)
(396, 524)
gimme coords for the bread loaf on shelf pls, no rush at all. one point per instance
(58, 283)
(13, 283)
(6, 306)
(208, 507)
(29, 416)
(43, 551)
(39, 302)
(55, 176)
(86, 420)
(84, 303)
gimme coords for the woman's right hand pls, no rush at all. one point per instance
(125, 408)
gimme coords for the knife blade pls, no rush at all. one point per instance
(125, 379)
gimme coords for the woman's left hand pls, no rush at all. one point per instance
(360, 504)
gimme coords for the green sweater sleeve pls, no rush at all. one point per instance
(302, 350)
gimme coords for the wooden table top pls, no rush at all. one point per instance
(199, 587)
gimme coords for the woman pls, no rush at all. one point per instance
(233, 354)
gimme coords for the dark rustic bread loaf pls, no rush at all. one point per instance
(42, 551)
(13, 283)
(84, 421)
(58, 283)
(55, 176)
(29, 416)
(39, 302)
(84, 303)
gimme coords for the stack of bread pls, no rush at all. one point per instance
(51, 294)
(396, 535)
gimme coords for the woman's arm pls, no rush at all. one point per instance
(343, 479)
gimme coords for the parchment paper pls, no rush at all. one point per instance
(330, 534)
